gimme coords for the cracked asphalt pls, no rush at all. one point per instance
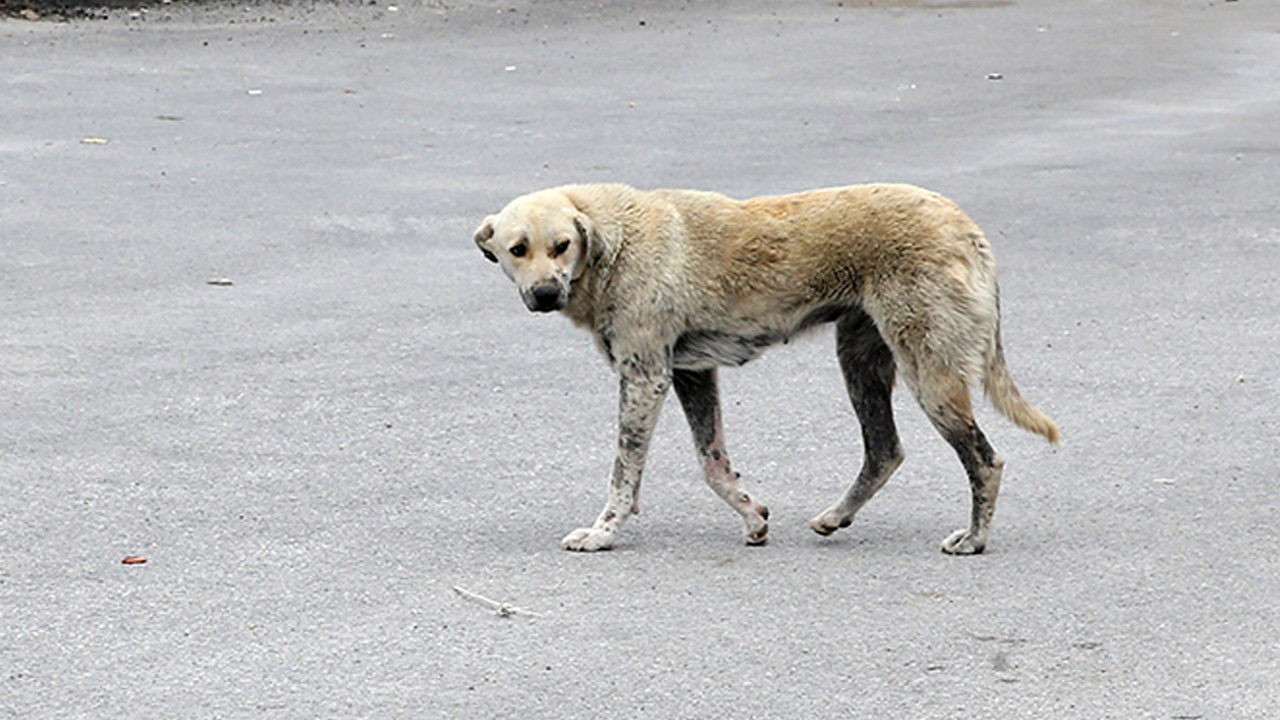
(247, 337)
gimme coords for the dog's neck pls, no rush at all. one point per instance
(584, 298)
(587, 295)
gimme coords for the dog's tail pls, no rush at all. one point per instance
(999, 387)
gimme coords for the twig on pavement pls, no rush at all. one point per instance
(501, 608)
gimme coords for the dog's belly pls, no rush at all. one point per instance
(706, 349)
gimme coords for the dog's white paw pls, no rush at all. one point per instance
(963, 542)
(758, 528)
(589, 539)
(757, 524)
(829, 522)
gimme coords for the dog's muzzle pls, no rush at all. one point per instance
(544, 298)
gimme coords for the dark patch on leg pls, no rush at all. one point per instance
(619, 474)
(701, 402)
(971, 446)
(631, 440)
(979, 460)
(867, 365)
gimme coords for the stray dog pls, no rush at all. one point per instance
(675, 283)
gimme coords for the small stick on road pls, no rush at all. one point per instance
(502, 609)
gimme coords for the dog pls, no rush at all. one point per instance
(674, 284)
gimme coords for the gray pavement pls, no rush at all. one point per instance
(313, 457)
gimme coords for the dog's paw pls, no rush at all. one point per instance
(829, 522)
(757, 524)
(963, 542)
(588, 539)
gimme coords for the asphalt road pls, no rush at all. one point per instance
(314, 456)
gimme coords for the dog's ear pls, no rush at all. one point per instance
(484, 234)
(591, 240)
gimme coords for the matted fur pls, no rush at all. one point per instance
(675, 283)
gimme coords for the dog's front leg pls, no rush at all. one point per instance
(642, 388)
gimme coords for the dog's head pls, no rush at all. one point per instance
(543, 242)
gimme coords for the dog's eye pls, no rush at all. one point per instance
(519, 249)
(561, 248)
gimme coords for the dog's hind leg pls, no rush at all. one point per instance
(946, 400)
(868, 368)
(700, 399)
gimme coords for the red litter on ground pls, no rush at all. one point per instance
(133, 560)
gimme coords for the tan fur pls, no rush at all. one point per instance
(671, 280)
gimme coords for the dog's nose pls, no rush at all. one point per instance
(546, 298)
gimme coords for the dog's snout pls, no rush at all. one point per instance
(545, 298)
